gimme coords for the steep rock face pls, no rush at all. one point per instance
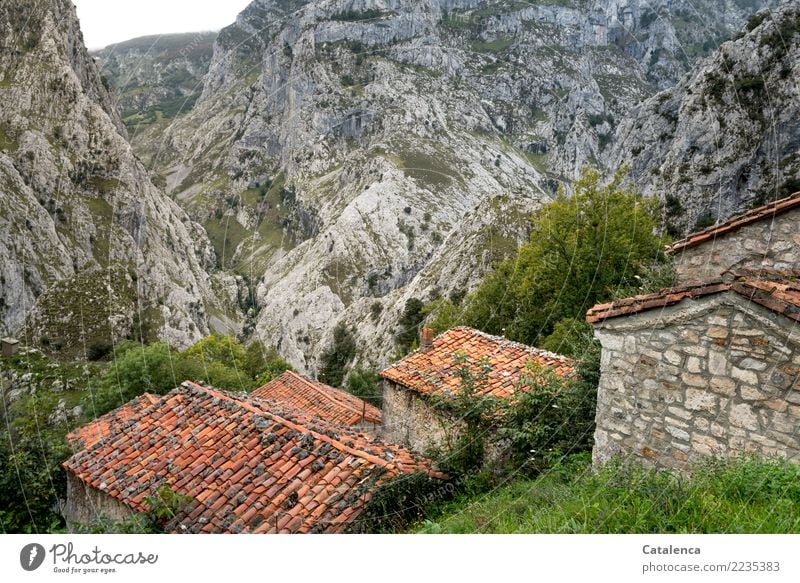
(77, 210)
(347, 155)
(156, 79)
(727, 136)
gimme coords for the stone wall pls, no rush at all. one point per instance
(409, 420)
(773, 244)
(714, 376)
(84, 504)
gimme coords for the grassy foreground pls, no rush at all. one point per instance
(745, 495)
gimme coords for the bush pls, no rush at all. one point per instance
(582, 248)
(338, 356)
(365, 384)
(409, 323)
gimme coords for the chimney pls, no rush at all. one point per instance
(426, 339)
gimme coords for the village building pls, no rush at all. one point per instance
(413, 385)
(333, 405)
(765, 238)
(246, 465)
(710, 367)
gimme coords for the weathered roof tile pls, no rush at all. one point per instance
(436, 370)
(224, 500)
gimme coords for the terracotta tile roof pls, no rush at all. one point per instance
(768, 211)
(249, 465)
(321, 400)
(779, 293)
(89, 434)
(435, 371)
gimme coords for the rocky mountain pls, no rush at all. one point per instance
(90, 249)
(155, 79)
(348, 155)
(727, 135)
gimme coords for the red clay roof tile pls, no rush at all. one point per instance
(91, 433)
(436, 370)
(326, 402)
(283, 437)
(776, 293)
(767, 211)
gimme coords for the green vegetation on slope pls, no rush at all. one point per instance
(582, 250)
(745, 495)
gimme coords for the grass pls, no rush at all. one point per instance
(744, 495)
(495, 46)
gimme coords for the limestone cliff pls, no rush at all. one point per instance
(89, 248)
(727, 136)
(347, 155)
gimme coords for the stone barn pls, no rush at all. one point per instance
(411, 385)
(709, 368)
(767, 238)
(244, 465)
(324, 401)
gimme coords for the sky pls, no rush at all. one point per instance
(105, 22)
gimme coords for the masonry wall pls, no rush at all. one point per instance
(84, 504)
(716, 376)
(409, 420)
(773, 244)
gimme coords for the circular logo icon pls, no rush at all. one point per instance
(31, 556)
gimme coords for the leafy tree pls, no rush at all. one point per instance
(218, 348)
(582, 249)
(408, 324)
(365, 384)
(338, 356)
(262, 362)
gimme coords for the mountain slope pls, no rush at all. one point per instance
(347, 156)
(156, 79)
(89, 248)
(727, 136)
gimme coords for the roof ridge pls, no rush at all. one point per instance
(506, 342)
(771, 209)
(292, 425)
(330, 397)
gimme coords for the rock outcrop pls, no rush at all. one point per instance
(727, 136)
(78, 212)
(346, 156)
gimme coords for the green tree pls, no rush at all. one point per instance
(408, 324)
(581, 250)
(338, 356)
(365, 384)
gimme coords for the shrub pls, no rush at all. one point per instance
(408, 324)
(338, 356)
(365, 384)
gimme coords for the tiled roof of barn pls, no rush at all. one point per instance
(249, 465)
(435, 371)
(89, 434)
(331, 404)
(767, 211)
(779, 293)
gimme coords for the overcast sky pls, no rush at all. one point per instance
(105, 22)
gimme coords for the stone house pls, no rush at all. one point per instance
(767, 238)
(245, 464)
(710, 367)
(411, 385)
(321, 400)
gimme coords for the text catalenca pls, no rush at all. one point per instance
(670, 550)
(65, 554)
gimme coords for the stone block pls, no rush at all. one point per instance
(673, 357)
(749, 393)
(717, 362)
(722, 385)
(707, 445)
(752, 364)
(745, 376)
(718, 332)
(700, 400)
(742, 415)
(694, 364)
(677, 432)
